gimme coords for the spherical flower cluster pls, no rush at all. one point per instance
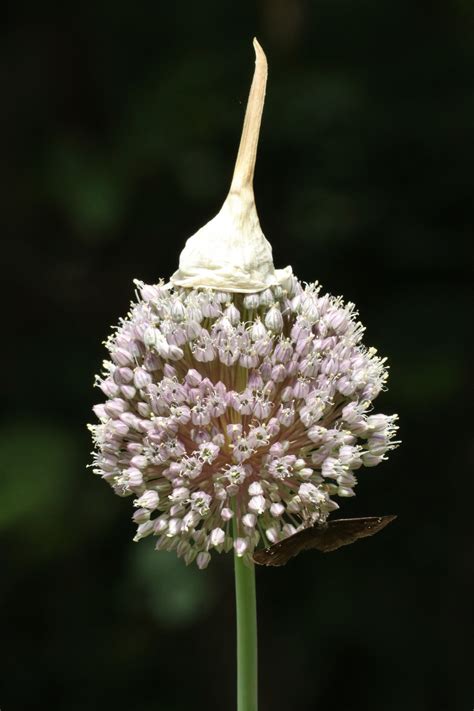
(235, 419)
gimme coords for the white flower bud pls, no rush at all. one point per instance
(128, 391)
(181, 493)
(240, 546)
(141, 378)
(371, 460)
(255, 489)
(217, 537)
(378, 444)
(160, 524)
(251, 302)
(272, 534)
(139, 461)
(232, 314)
(249, 520)
(277, 509)
(147, 291)
(226, 514)
(345, 491)
(257, 330)
(175, 525)
(203, 559)
(149, 336)
(135, 477)
(178, 311)
(377, 423)
(274, 319)
(257, 504)
(141, 515)
(148, 500)
(189, 521)
(309, 308)
(143, 530)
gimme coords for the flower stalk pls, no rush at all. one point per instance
(246, 617)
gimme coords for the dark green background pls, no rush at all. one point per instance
(119, 126)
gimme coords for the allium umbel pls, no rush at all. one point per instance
(239, 401)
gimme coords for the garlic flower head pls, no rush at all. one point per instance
(238, 401)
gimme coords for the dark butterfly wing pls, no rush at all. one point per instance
(322, 537)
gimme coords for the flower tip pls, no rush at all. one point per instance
(260, 56)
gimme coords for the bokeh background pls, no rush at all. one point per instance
(119, 126)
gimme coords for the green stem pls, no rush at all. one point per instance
(246, 605)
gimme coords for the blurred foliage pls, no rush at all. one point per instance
(36, 469)
(119, 129)
(176, 595)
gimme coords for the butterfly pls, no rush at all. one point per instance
(323, 537)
